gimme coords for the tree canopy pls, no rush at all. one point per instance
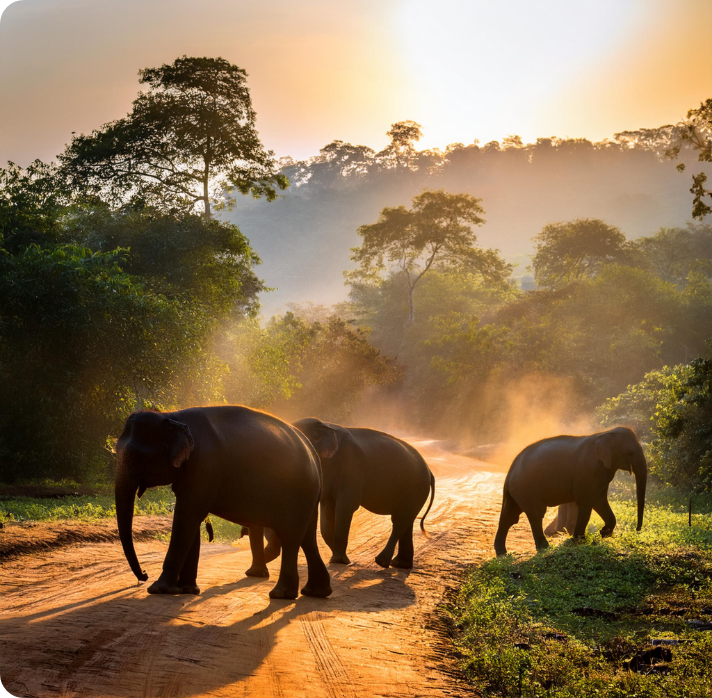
(567, 252)
(189, 137)
(436, 229)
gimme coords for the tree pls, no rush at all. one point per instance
(403, 135)
(31, 204)
(186, 139)
(672, 253)
(696, 132)
(436, 229)
(568, 252)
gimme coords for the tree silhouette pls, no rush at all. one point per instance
(187, 138)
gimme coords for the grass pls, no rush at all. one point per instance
(157, 501)
(566, 621)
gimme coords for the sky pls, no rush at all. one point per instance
(321, 70)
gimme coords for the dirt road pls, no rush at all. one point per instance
(73, 622)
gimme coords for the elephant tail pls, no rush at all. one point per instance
(432, 496)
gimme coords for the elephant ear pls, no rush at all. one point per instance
(327, 441)
(179, 442)
(604, 451)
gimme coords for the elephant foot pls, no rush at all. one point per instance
(383, 560)
(256, 571)
(271, 553)
(319, 591)
(542, 545)
(606, 532)
(340, 559)
(160, 587)
(402, 564)
(283, 592)
(193, 589)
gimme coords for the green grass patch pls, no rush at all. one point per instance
(158, 501)
(567, 621)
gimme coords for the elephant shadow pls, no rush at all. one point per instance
(181, 645)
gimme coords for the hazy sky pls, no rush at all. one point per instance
(326, 69)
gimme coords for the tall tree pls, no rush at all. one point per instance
(401, 149)
(187, 138)
(696, 132)
(437, 229)
(571, 251)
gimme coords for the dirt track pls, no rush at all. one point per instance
(73, 622)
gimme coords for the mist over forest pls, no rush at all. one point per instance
(304, 236)
(486, 294)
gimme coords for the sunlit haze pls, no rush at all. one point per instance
(319, 71)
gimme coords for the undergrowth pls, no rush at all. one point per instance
(568, 621)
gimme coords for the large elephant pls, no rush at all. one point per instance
(364, 467)
(239, 464)
(565, 469)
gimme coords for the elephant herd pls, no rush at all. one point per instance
(279, 480)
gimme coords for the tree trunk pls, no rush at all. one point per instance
(411, 306)
(206, 199)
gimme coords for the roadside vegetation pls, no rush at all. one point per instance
(629, 615)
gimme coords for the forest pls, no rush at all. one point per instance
(123, 289)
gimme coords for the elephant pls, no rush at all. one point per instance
(372, 469)
(564, 521)
(565, 469)
(234, 462)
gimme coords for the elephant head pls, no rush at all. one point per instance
(149, 452)
(619, 449)
(323, 436)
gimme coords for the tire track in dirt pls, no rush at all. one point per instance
(331, 669)
(74, 623)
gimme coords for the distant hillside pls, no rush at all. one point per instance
(304, 237)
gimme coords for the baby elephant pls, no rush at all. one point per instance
(364, 467)
(566, 469)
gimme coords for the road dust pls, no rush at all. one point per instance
(73, 622)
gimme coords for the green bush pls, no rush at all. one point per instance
(676, 403)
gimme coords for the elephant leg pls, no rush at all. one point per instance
(318, 579)
(274, 547)
(399, 528)
(404, 559)
(555, 527)
(509, 516)
(188, 577)
(603, 509)
(257, 546)
(327, 517)
(186, 522)
(568, 518)
(342, 526)
(287, 586)
(536, 521)
(584, 514)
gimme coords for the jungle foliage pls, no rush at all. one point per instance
(672, 410)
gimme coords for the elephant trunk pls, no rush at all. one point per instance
(125, 495)
(640, 469)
